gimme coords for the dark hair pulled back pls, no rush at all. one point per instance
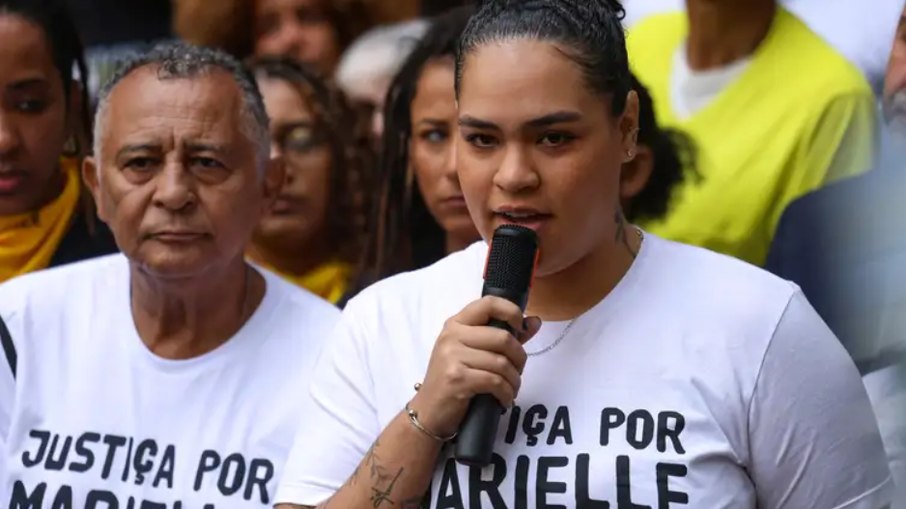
(674, 156)
(589, 32)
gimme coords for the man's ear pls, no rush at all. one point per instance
(90, 175)
(274, 177)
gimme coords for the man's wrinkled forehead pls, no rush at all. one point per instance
(206, 106)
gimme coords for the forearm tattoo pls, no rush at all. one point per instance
(382, 481)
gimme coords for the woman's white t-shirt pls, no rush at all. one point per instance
(93, 419)
(699, 382)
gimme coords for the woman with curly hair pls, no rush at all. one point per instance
(314, 232)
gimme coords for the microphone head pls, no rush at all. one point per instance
(512, 257)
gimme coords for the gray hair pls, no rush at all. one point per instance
(179, 60)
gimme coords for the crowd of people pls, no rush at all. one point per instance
(242, 249)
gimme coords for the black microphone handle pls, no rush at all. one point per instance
(478, 430)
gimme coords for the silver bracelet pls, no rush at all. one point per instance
(413, 418)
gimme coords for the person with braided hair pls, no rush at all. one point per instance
(643, 373)
(47, 217)
(314, 233)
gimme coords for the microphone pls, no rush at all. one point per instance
(511, 262)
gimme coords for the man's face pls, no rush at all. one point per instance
(895, 82)
(176, 179)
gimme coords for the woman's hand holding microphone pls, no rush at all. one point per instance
(471, 358)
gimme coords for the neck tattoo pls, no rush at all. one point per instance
(620, 235)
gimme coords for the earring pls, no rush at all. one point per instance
(630, 152)
(72, 148)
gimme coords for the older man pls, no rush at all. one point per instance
(172, 375)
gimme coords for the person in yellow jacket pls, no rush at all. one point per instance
(46, 215)
(775, 112)
(313, 235)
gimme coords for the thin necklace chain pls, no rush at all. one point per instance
(569, 325)
(555, 343)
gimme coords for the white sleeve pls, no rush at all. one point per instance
(813, 437)
(8, 361)
(340, 422)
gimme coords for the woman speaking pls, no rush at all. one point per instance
(663, 375)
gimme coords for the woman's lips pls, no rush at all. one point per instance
(286, 205)
(454, 202)
(10, 182)
(533, 221)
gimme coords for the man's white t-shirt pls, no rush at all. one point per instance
(93, 419)
(698, 382)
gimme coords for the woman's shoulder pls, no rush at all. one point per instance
(694, 277)
(456, 273)
(418, 301)
(397, 319)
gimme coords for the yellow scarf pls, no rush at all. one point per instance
(330, 280)
(28, 241)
